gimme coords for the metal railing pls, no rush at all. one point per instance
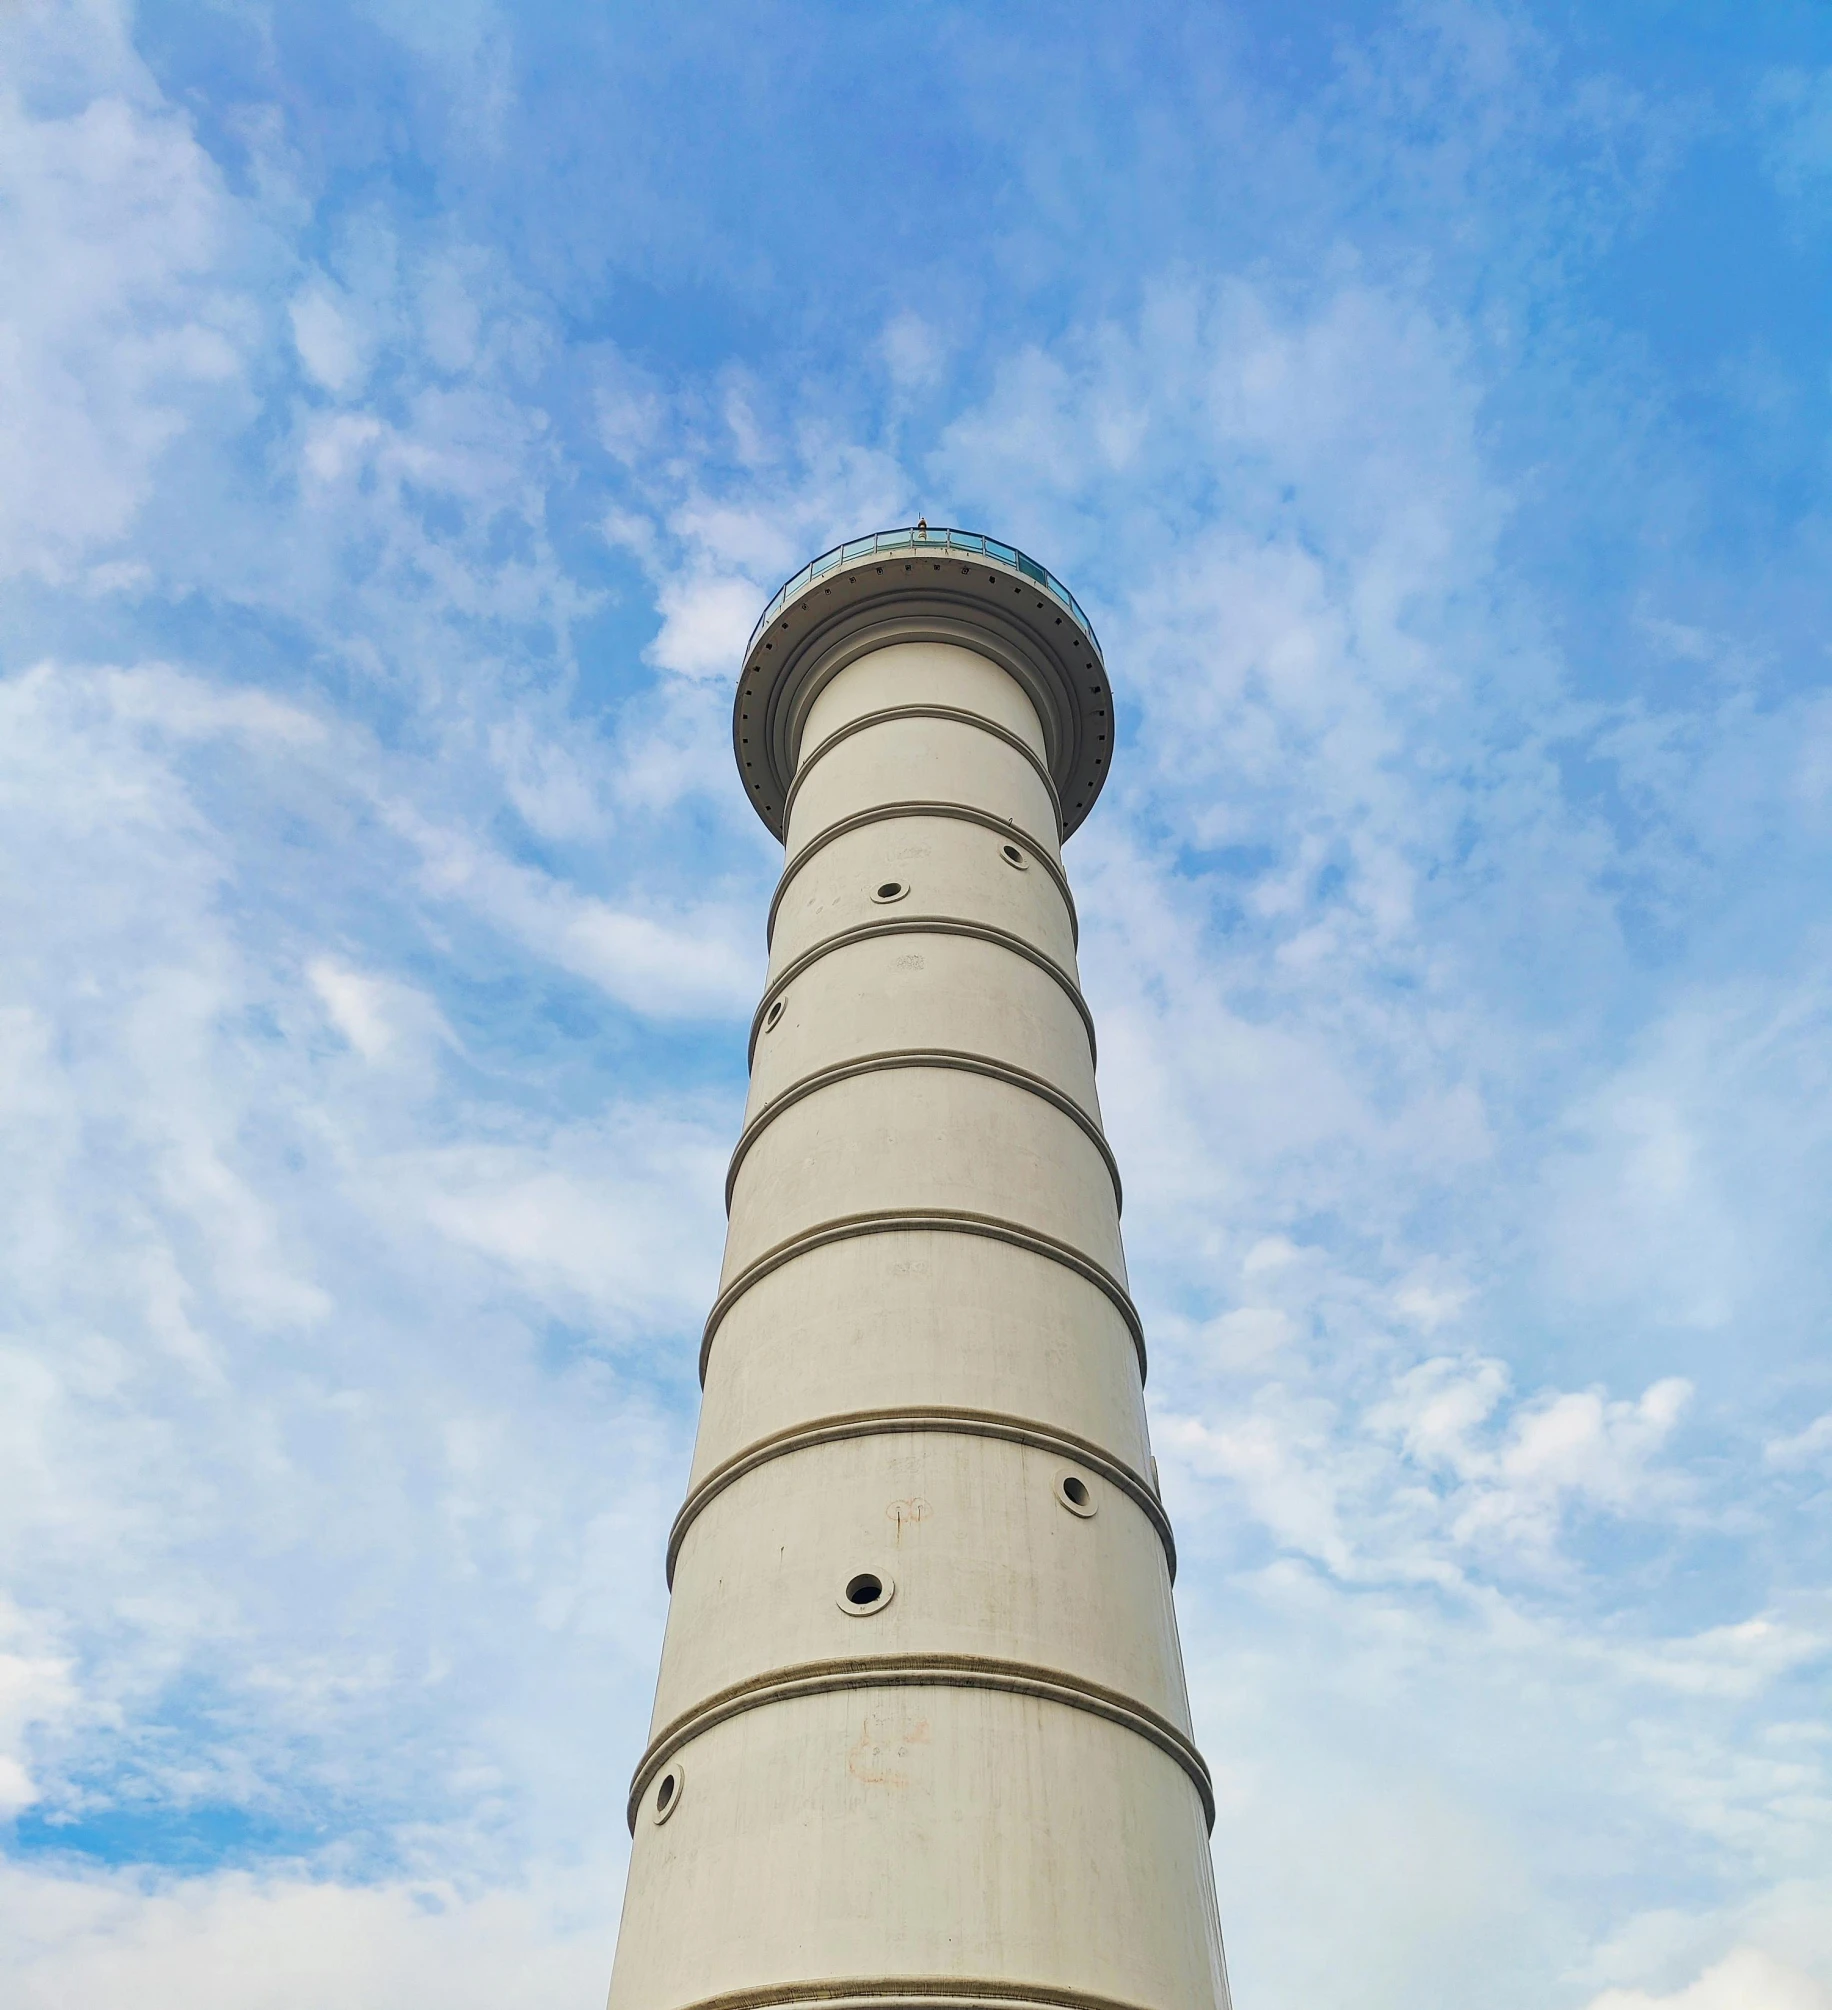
(918, 537)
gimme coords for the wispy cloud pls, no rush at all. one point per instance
(401, 438)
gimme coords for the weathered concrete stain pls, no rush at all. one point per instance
(885, 1741)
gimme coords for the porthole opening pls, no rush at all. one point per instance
(1014, 857)
(773, 1017)
(888, 890)
(1076, 1494)
(866, 1592)
(668, 1792)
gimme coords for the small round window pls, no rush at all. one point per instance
(667, 1795)
(773, 1017)
(888, 890)
(866, 1592)
(1076, 1493)
(1014, 858)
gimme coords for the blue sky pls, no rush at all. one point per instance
(404, 412)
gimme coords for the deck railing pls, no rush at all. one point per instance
(918, 537)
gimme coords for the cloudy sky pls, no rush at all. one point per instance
(404, 411)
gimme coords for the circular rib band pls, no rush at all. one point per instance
(956, 713)
(964, 813)
(923, 1671)
(942, 1221)
(918, 924)
(957, 1423)
(924, 1057)
(907, 1992)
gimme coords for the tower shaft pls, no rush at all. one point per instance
(921, 1734)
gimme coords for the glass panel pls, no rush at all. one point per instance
(906, 538)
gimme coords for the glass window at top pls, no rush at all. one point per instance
(904, 540)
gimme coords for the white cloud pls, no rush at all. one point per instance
(1803, 1448)
(222, 1437)
(35, 1689)
(1272, 1253)
(1245, 1337)
(1795, 107)
(687, 963)
(1747, 1979)
(618, 1221)
(1437, 1407)
(1573, 1448)
(115, 337)
(326, 337)
(235, 1942)
(705, 625)
(915, 351)
(1277, 1458)
(357, 1006)
(1682, 1179)
(548, 782)
(1730, 1661)
(1430, 1297)
(1436, 1478)
(377, 1015)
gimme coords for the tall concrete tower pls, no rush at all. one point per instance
(921, 1736)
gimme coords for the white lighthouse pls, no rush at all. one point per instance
(921, 1734)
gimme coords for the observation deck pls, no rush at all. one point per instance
(918, 584)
